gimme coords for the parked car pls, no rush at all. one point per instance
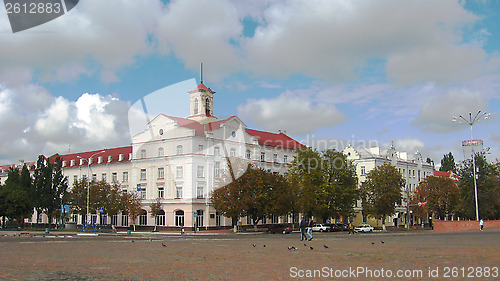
(364, 228)
(279, 228)
(339, 227)
(320, 228)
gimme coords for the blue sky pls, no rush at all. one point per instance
(323, 71)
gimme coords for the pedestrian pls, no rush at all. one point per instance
(310, 229)
(351, 228)
(481, 223)
(302, 227)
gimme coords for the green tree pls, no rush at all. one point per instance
(448, 163)
(325, 183)
(440, 194)
(382, 191)
(15, 198)
(488, 188)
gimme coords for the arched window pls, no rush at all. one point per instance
(179, 218)
(161, 152)
(160, 217)
(143, 217)
(143, 153)
(195, 109)
(207, 107)
(179, 149)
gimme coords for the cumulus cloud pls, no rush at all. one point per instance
(34, 122)
(291, 113)
(94, 36)
(436, 114)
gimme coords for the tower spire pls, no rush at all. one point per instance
(201, 73)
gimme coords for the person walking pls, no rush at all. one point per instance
(481, 224)
(310, 229)
(351, 228)
(302, 227)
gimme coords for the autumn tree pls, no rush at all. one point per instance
(448, 163)
(381, 192)
(440, 195)
(155, 209)
(132, 203)
(488, 188)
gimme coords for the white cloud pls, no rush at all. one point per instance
(34, 122)
(436, 115)
(291, 113)
(94, 35)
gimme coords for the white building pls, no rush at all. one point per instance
(181, 161)
(412, 167)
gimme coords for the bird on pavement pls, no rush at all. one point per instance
(373, 243)
(382, 242)
(163, 245)
(254, 245)
(326, 247)
(311, 248)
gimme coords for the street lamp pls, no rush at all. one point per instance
(471, 121)
(90, 175)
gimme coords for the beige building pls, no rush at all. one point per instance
(413, 168)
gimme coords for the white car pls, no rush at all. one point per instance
(364, 228)
(320, 228)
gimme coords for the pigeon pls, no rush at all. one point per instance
(305, 245)
(254, 245)
(326, 247)
(163, 245)
(382, 242)
(264, 245)
(291, 248)
(311, 248)
(373, 243)
(132, 241)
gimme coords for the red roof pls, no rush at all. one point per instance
(448, 174)
(276, 140)
(201, 88)
(113, 152)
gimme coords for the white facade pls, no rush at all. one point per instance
(412, 167)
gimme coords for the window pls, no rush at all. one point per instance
(114, 177)
(124, 219)
(94, 177)
(217, 169)
(72, 162)
(143, 153)
(179, 172)
(247, 154)
(143, 174)
(161, 152)
(200, 148)
(179, 149)
(75, 178)
(207, 107)
(199, 191)
(142, 193)
(232, 152)
(199, 218)
(161, 173)
(275, 158)
(114, 220)
(262, 156)
(125, 177)
(161, 191)
(179, 218)
(178, 191)
(143, 217)
(200, 171)
(216, 150)
(99, 159)
(103, 219)
(195, 109)
(160, 218)
(363, 171)
(285, 159)
(104, 177)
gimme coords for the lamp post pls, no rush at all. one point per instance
(90, 175)
(471, 121)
